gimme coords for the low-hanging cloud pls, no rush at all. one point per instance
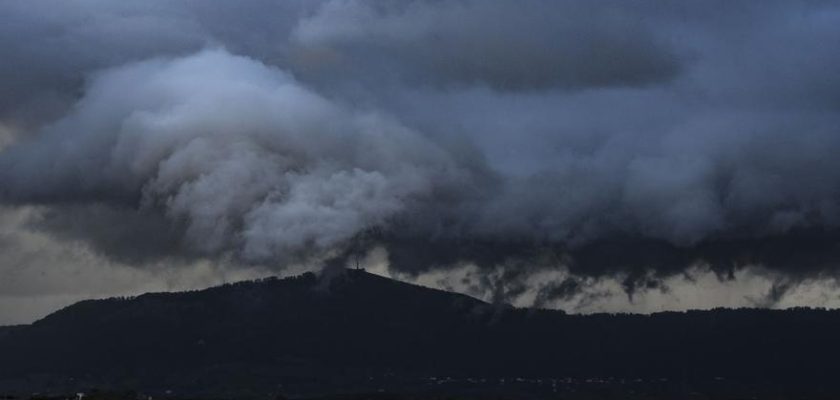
(612, 139)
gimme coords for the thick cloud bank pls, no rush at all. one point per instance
(240, 154)
(608, 139)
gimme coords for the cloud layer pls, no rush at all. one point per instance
(624, 140)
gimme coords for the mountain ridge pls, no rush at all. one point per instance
(311, 275)
(306, 278)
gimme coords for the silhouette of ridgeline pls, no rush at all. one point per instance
(359, 331)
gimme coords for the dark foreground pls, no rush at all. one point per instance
(363, 336)
(567, 389)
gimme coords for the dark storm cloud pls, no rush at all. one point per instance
(506, 45)
(124, 234)
(49, 48)
(612, 139)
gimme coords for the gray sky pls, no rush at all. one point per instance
(628, 156)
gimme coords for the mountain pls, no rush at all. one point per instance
(356, 332)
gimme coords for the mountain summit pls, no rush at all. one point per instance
(358, 331)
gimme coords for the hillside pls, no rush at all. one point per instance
(359, 332)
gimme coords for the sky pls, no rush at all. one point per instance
(605, 156)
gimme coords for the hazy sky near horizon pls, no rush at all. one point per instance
(591, 156)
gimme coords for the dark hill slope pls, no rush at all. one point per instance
(302, 335)
(298, 328)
